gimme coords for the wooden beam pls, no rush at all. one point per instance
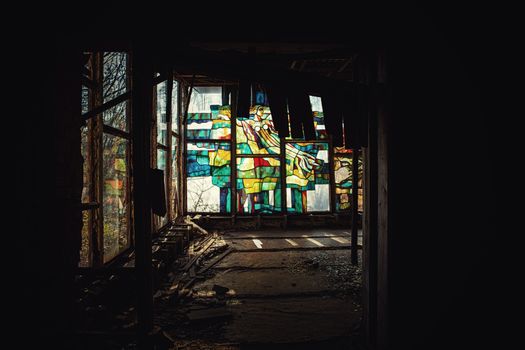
(239, 67)
(233, 150)
(355, 191)
(142, 104)
(115, 132)
(96, 164)
(169, 141)
(103, 107)
(370, 253)
(88, 82)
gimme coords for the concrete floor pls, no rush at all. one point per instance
(285, 288)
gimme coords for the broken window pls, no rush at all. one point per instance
(261, 188)
(105, 149)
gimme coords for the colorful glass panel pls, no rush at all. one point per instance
(317, 109)
(258, 185)
(215, 125)
(307, 177)
(256, 133)
(208, 177)
(343, 182)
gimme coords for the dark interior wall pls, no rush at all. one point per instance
(437, 185)
(439, 188)
(50, 182)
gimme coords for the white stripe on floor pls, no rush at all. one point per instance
(258, 243)
(340, 240)
(291, 242)
(315, 242)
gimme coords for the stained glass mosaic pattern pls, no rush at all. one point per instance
(317, 108)
(208, 177)
(258, 185)
(342, 150)
(320, 130)
(214, 125)
(256, 133)
(307, 177)
(343, 181)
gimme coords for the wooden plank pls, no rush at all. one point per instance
(332, 177)
(115, 132)
(216, 260)
(195, 226)
(370, 233)
(196, 257)
(97, 166)
(233, 155)
(169, 155)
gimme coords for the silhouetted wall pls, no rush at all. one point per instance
(439, 186)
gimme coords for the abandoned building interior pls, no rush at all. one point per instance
(284, 189)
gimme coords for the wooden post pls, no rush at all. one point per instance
(380, 103)
(331, 157)
(355, 191)
(97, 162)
(284, 209)
(233, 150)
(169, 155)
(370, 233)
(142, 105)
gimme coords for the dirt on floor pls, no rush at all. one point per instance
(257, 289)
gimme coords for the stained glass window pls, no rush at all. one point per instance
(212, 125)
(258, 185)
(256, 133)
(317, 109)
(342, 150)
(307, 177)
(258, 161)
(208, 177)
(343, 181)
